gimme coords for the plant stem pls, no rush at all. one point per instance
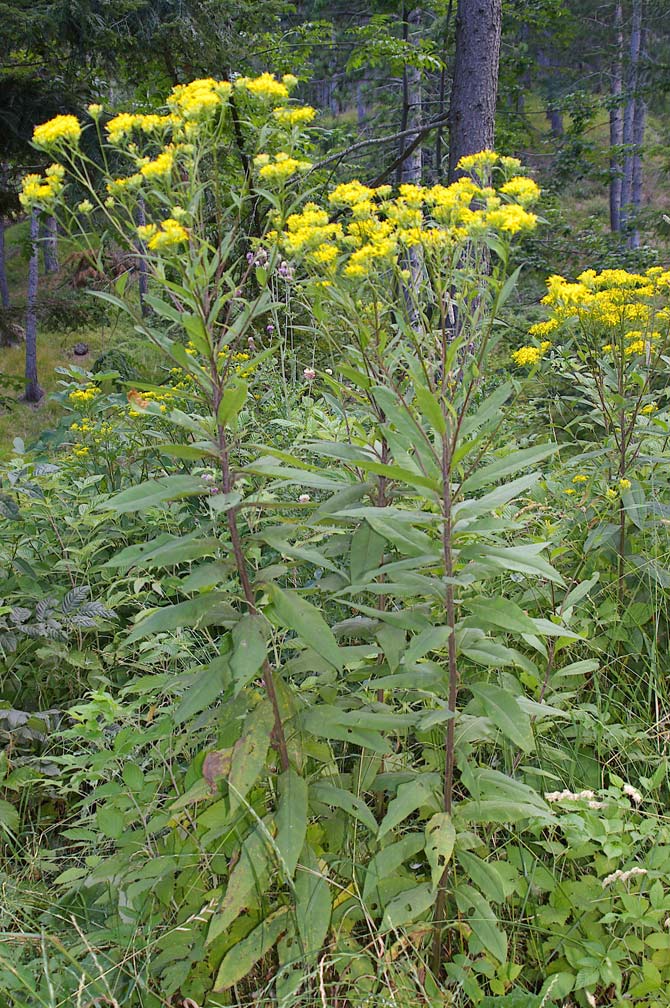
(450, 611)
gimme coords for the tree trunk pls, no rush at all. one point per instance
(475, 81)
(629, 114)
(4, 288)
(142, 272)
(411, 168)
(442, 92)
(616, 122)
(33, 392)
(50, 245)
(636, 186)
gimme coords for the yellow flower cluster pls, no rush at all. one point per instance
(279, 168)
(170, 233)
(200, 98)
(82, 397)
(267, 86)
(161, 166)
(123, 124)
(377, 228)
(41, 191)
(62, 129)
(528, 356)
(298, 116)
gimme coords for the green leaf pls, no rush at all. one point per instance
(409, 797)
(231, 402)
(367, 551)
(313, 903)
(164, 551)
(500, 612)
(209, 609)
(329, 722)
(244, 955)
(110, 822)
(522, 458)
(440, 840)
(295, 613)
(250, 752)
(345, 800)
(249, 650)
(484, 875)
(407, 906)
(206, 687)
(9, 817)
(503, 710)
(483, 921)
(246, 884)
(386, 861)
(153, 492)
(291, 819)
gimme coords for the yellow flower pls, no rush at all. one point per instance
(624, 483)
(161, 166)
(521, 189)
(569, 491)
(120, 126)
(649, 408)
(267, 85)
(294, 116)
(94, 110)
(528, 355)
(478, 162)
(580, 478)
(81, 397)
(512, 218)
(61, 129)
(282, 167)
(39, 191)
(171, 233)
(200, 98)
(544, 328)
(611, 494)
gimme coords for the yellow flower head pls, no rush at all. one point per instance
(63, 129)
(266, 86)
(171, 233)
(522, 189)
(649, 408)
(528, 356)
(580, 478)
(624, 484)
(161, 166)
(298, 116)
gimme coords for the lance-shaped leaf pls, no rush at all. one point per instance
(295, 613)
(242, 957)
(291, 819)
(153, 493)
(440, 840)
(250, 752)
(210, 609)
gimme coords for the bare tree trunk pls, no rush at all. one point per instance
(33, 392)
(616, 122)
(636, 186)
(50, 245)
(4, 288)
(475, 82)
(442, 92)
(411, 168)
(629, 114)
(555, 117)
(142, 273)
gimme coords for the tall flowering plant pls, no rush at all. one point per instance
(368, 708)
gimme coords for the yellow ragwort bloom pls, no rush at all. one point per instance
(61, 129)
